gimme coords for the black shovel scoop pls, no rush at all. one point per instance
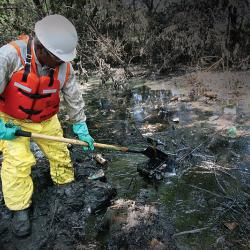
(150, 152)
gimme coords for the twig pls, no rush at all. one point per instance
(210, 192)
(139, 132)
(134, 177)
(213, 65)
(181, 149)
(183, 157)
(218, 182)
(221, 170)
(210, 138)
(198, 230)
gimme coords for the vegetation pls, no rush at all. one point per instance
(158, 34)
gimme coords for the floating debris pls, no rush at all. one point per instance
(176, 119)
(100, 159)
(98, 175)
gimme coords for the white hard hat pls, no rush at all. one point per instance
(58, 35)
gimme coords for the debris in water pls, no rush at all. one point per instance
(99, 174)
(174, 98)
(99, 158)
(176, 119)
(213, 118)
(231, 225)
(155, 142)
(232, 132)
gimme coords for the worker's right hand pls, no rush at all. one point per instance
(7, 132)
(81, 130)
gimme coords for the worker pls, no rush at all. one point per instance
(33, 72)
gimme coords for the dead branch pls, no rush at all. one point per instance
(214, 65)
(194, 231)
(210, 192)
(109, 47)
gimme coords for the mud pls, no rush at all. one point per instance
(59, 213)
(197, 199)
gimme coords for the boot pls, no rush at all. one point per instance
(21, 223)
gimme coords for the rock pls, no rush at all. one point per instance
(97, 175)
(130, 222)
(98, 195)
(217, 143)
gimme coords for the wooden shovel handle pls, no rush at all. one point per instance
(70, 141)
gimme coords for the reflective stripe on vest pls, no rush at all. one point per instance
(49, 91)
(20, 86)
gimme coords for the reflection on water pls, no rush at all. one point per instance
(230, 111)
(149, 105)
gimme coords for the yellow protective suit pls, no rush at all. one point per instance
(17, 184)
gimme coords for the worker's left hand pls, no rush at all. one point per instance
(82, 132)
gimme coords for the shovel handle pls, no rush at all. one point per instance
(69, 141)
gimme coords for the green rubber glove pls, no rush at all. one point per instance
(81, 130)
(7, 131)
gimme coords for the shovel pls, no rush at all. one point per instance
(150, 152)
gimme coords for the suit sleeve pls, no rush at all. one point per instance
(9, 63)
(73, 98)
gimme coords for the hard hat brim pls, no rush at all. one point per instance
(67, 57)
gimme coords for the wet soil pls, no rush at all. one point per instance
(196, 199)
(59, 213)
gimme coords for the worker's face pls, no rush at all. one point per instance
(51, 60)
(47, 58)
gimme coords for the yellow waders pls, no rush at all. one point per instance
(18, 159)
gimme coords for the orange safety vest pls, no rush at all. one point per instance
(29, 96)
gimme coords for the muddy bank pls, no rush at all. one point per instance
(59, 213)
(75, 216)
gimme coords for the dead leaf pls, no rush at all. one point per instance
(174, 98)
(97, 125)
(231, 225)
(156, 245)
(210, 94)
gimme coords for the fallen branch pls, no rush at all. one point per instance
(210, 192)
(194, 231)
(213, 65)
